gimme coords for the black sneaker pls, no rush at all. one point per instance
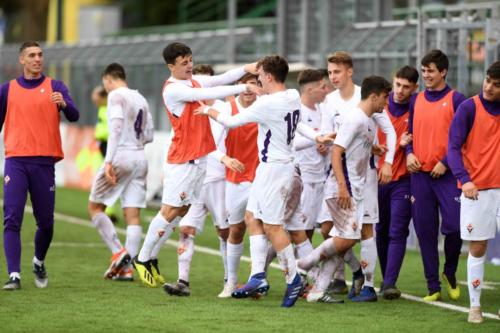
(41, 277)
(180, 288)
(13, 284)
(391, 292)
(337, 287)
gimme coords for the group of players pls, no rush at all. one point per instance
(357, 162)
(362, 157)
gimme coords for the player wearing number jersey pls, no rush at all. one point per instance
(187, 155)
(277, 115)
(124, 172)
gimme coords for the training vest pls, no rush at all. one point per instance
(192, 134)
(101, 128)
(32, 122)
(431, 124)
(481, 154)
(400, 125)
(241, 144)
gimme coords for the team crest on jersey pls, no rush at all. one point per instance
(444, 104)
(363, 264)
(412, 199)
(183, 195)
(42, 90)
(470, 227)
(6, 180)
(457, 199)
(476, 283)
(161, 233)
(354, 226)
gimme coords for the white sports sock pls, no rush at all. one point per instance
(37, 262)
(325, 273)
(369, 260)
(351, 260)
(475, 275)
(323, 251)
(185, 251)
(107, 231)
(223, 252)
(133, 241)
(166, 235)
(15, 275)
(286, 258)
(304, 248)
(258, 253)
(157, 228)
(234, 253)
(339, 271)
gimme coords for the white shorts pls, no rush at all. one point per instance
(370, 200)
(294, 217)
(236, 201)
(479, 219)
(131, 168)
(311, 202)
(182, 182)
(211, 201)
(346, 222)
(324, 214)
(270, 191)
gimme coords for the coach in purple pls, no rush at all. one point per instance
(433, 186)
(30, 110)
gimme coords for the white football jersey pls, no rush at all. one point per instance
(335, 107)
(277, 116)
(356, 134)
(311, 162)
(132, 107)
(215, 168)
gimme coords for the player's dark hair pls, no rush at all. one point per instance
(308, 76)
(341, 57)
(409, 73)
(116, 71)
(494, 71)
(27, 44)
(438, 58)
(203, 69)
(247, 77)
(275, 65)
(374, 85)
(174, 50)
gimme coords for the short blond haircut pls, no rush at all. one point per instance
(341, 57)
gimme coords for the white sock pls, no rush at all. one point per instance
(323, 251)
(287, 263)
(157, 229)
(304, 248)
(223, 252)
(37, 262)
(185, 251)
(369, 260)
(475, 274)
(271, 254)
(15, 275)
(107, 231)
(339, 271)
(351, 260)
(258, 253)
(133, 241)
(234, 253)
(325, 273)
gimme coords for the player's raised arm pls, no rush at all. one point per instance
(228, 77)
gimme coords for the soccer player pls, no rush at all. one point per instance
(394, 197)
(241, 143)
(124, 172)
(474, 157)
(212, 191)
(339, 103)
(350, 156)
(278, 117)
(30, 109)
(191, 143)
(432, 183)
(311, 160)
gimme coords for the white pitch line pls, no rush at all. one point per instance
(202, 249)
